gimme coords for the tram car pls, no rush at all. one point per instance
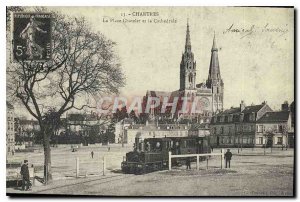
(152, 154)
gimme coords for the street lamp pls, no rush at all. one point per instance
(238, 145)
(265, 146)
(101, 136)
(242, 142)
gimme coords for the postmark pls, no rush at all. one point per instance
(31, 37)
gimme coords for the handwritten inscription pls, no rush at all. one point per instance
(249, 30)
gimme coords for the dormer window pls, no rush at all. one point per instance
(252, 116)
(241, 117)
(230, 118)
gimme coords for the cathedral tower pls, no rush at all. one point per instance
(187, 66)
(214, 80)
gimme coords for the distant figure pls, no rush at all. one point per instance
(25, 175)
(227, 157)
(108, 148)
(92, 154)
(188, 161)
(212, 149)
(13, 152)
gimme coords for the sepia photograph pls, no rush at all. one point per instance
(150, 101)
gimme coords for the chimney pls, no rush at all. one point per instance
(242, 106)
(285, 106)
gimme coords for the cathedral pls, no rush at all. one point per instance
(209, 94)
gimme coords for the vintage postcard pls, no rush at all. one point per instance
(150, 101)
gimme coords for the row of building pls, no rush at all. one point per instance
(243, 126)
(23, 129)
(255, 125)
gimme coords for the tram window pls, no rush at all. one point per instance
(193, 143)
(189, 143)
(147, 146)
(158, 145)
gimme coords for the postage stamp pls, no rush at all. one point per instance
(31, 36)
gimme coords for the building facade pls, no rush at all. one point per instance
(155, 131)
(275, 129)
(237, 126)
(10, 129)
(252, 126)
(120, 130)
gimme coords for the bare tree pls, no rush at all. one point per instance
(83, 64)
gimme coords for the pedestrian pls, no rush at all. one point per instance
(212, 149)
(25, 176)
(108, 148)
(227, 157)
(92, 154)
(188, 161)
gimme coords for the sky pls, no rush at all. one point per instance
(256, 48)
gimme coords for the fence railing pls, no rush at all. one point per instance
(101, 163)
(221, 154)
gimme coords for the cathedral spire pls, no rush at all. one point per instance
(188, 45)
(214, 69)
(187, 65)
(214, 81)
(214, 46)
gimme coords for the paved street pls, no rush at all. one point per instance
(252, 173)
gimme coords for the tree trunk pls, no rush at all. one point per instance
(47, 158)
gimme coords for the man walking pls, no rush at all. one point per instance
(92, 154)
(227, 157)
(188, 162)
(25, 176)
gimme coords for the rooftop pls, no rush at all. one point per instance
(253, 108)
(279, 116)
